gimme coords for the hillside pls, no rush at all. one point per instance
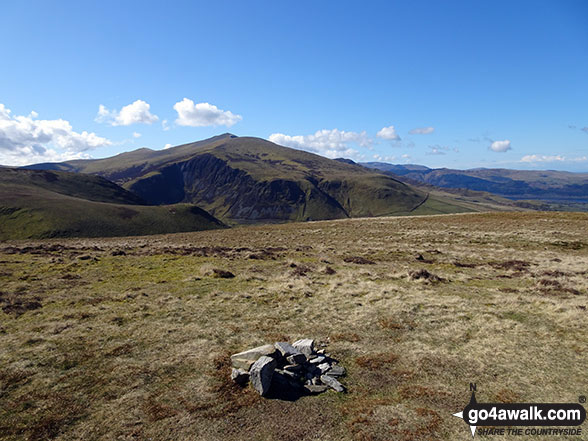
(244, 180)
(544, 185)
(41, 204)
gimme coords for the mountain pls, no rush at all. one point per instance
(246, 180)
(44, 203)
(544, 185)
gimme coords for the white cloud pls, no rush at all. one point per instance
(542, 158)
(136, 135)
(437, 150)
(388, 133)
(500, 146)
(164, 125)
(203, 114)
(330, 143)
(381, 158)
(134, 113)
(421, 130)
(552, 158)
(167, 146)
(26, 140)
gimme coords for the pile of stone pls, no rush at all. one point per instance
(280, 366)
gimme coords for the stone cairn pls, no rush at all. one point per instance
(283, 365)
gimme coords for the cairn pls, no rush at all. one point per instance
(283, 365)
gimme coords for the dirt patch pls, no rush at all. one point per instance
(358, 260)
(465, 265)
(511, 265)
(425, 275)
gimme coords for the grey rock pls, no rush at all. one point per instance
(336, 371)
(244, 360)
(317, 360)
(261, 374)
(296, 358)
(332, 383)
(240, 376)
(324, 367)
(288, 374)
(293, 368)
(315, 388)
(286, 349)
(305, 345)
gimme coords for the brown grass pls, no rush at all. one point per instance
(133, 342)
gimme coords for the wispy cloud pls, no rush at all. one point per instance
(203, 114)
(381, 158)
(134, 113)
(552, 158)
(437, 150)
(421, 130)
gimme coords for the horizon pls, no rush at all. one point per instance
(338, 158)
(446, 85)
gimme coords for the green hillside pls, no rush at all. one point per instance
(245, 180)
(44, 204)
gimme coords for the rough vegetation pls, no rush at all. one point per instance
(131, 338)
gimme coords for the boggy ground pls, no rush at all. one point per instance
(129, 338)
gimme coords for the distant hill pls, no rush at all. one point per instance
(544, 185)
(42, 204)
(245, 180)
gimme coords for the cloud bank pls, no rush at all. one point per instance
(26, 139)
(330, 143)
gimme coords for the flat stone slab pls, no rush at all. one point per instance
(332, 383)
(318, 360)
(261, 374)
(324, 367)
(286, 349)
(336, 371)
(305, 345)
(244, 360)
(315, 388)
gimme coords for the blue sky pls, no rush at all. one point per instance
(456, 84)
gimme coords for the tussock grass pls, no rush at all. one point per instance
(135, 345)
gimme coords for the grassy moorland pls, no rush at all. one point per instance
(129, 338)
